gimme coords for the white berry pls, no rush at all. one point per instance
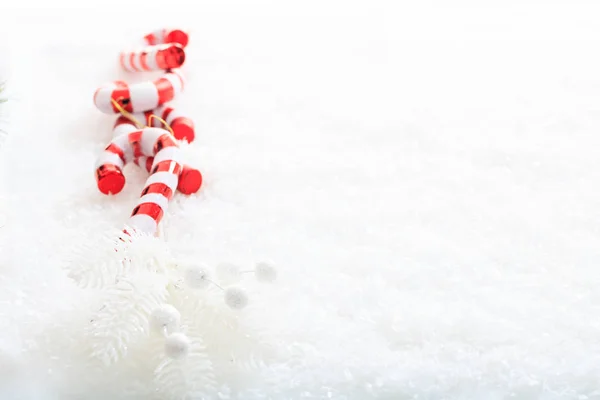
(166, 316)
(228, 273)
(265, 272)
(236, 298)
(197, 277)
(177, 345)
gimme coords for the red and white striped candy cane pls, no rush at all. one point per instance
(190, 179)
(164, 178)
(139, 97)
(153, 58)
(161, 36)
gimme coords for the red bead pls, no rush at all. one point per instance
(149, 162)
(165, 90)
(132, 57)
(147, 115)
(110, 179)
(167, 166)
(183, 129)
(144, 61)
(190, 180)
(150, 209)
(159, 188)
(177, 36)
(164, 141)
(113, 148)
(170, 57)
(135, 140)
(122, 97)
(122, 120)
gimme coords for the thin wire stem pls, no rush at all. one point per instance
(214, 283)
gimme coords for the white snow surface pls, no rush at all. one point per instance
(424, 176)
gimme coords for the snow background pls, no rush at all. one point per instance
(424, 175)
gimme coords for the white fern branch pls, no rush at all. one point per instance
(123, 317)
(187, 377)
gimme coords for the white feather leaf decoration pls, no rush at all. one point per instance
(123, 316)
(191, 377)
(162, 327)
(139, 253)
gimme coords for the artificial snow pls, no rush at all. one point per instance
(423, 177)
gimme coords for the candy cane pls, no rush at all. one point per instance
(153, 58)
(131, 145)
(139, 97)
(190, 179)
(164, 178)
(167, 36)
(151, 147)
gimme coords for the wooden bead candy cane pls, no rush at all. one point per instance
(167, 173)
(163, 180)
(190, 178)
(147, 144)
(109, 166)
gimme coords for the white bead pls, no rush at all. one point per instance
(236, 298)
(265, 272)
(177, 345)
(228, 273)
(166, 316)
(197, 277)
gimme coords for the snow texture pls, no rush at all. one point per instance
(423, 175)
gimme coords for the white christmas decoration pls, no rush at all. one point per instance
(187, 372)
(177, 345)
(265, 271)
(197, 276)
(122, 316)
(228, 273)
(165, 317)
(148, 320)
(236, 298)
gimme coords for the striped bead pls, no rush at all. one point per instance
(139, 97)
(183, 127)
(153, 58)
(110, 163)
(161, 36)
